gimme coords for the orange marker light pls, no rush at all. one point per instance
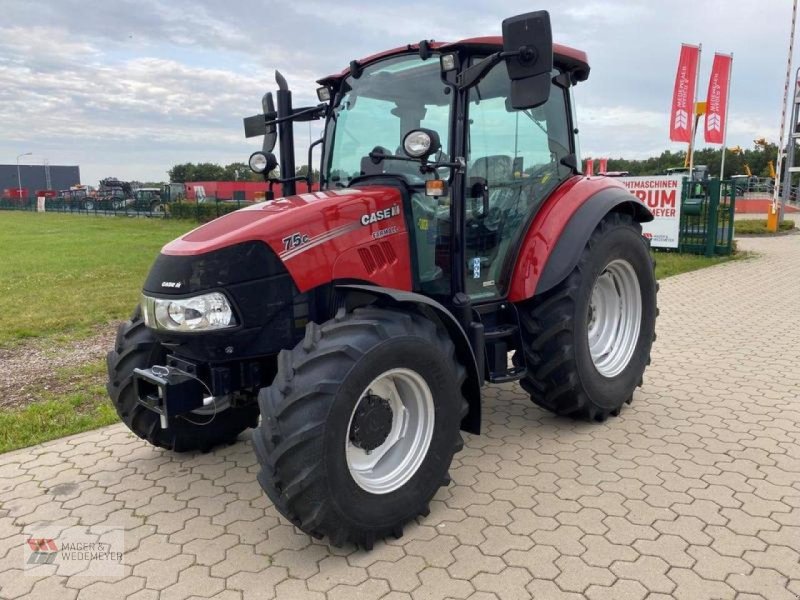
(435, 187)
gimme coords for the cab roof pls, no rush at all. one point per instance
(565, 57)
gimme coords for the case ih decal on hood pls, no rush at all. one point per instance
(331, 230)
(380, 215)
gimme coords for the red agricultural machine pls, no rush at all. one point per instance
(453, 243)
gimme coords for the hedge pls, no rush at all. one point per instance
(203, 212)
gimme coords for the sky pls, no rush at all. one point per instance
(128, 88)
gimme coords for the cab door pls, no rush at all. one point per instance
(513, 164)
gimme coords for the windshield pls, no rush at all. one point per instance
(390, 99)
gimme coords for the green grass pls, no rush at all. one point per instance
(64, 274)
(81, 406)
(673, 263)
(759, 226)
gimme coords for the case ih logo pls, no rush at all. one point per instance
(380, 215)
(43, 551)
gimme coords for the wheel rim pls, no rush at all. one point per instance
(614, 319)
(391, 464)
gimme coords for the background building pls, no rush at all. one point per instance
(34, 177)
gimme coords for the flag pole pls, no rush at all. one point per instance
(695, 118)
(727, 116)
(772, 224)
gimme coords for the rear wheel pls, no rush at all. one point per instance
(587, 341)
(137, 347)
(360, 425)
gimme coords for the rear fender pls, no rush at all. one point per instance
(362, 295)
(561, 229)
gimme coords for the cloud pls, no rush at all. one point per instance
(132, 87)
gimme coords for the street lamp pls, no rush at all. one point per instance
(19, 179)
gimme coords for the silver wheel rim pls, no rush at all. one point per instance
(615, 317)
(390, 465)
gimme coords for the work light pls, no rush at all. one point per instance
(324, 94)
(448, 62)
(420, 143)
(258, 162)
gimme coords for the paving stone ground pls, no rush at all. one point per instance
(693, 492)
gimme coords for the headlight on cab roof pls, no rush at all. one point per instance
(206, 312)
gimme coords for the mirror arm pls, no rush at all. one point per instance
(313, 112)
(474, 74)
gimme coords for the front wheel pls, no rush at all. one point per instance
(360, 425)
(587, 341)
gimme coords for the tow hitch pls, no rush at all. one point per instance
(168, 391)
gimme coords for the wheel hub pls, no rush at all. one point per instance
(614, 318)
(390, 431)
(371, 423)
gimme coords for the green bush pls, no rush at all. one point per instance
(759, 226)
(205, 212)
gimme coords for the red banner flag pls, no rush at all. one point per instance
(717, 99)
(683, 95)
(602, 166)
(589, 170)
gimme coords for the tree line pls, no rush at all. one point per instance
(757, 158)
(236, 171)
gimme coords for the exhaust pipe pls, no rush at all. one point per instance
(285, 135)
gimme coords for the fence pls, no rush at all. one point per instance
(707, 218)
(706, 222)
(209, 209)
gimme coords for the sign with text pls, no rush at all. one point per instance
(662, 197)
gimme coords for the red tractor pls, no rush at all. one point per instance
(453, 243)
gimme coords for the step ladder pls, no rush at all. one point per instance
(501, 338)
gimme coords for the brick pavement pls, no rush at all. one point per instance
(693, 492)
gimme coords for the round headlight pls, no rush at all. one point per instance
(258, 162)
(420, 143)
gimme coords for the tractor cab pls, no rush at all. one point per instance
(476, 134)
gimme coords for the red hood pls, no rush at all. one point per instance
(317, 235)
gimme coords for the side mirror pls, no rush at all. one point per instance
(529, 40)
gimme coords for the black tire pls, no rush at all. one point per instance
(561, 375)
(137, 347)
(306, 413)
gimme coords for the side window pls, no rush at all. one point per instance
(513, 163)
(373, 125)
